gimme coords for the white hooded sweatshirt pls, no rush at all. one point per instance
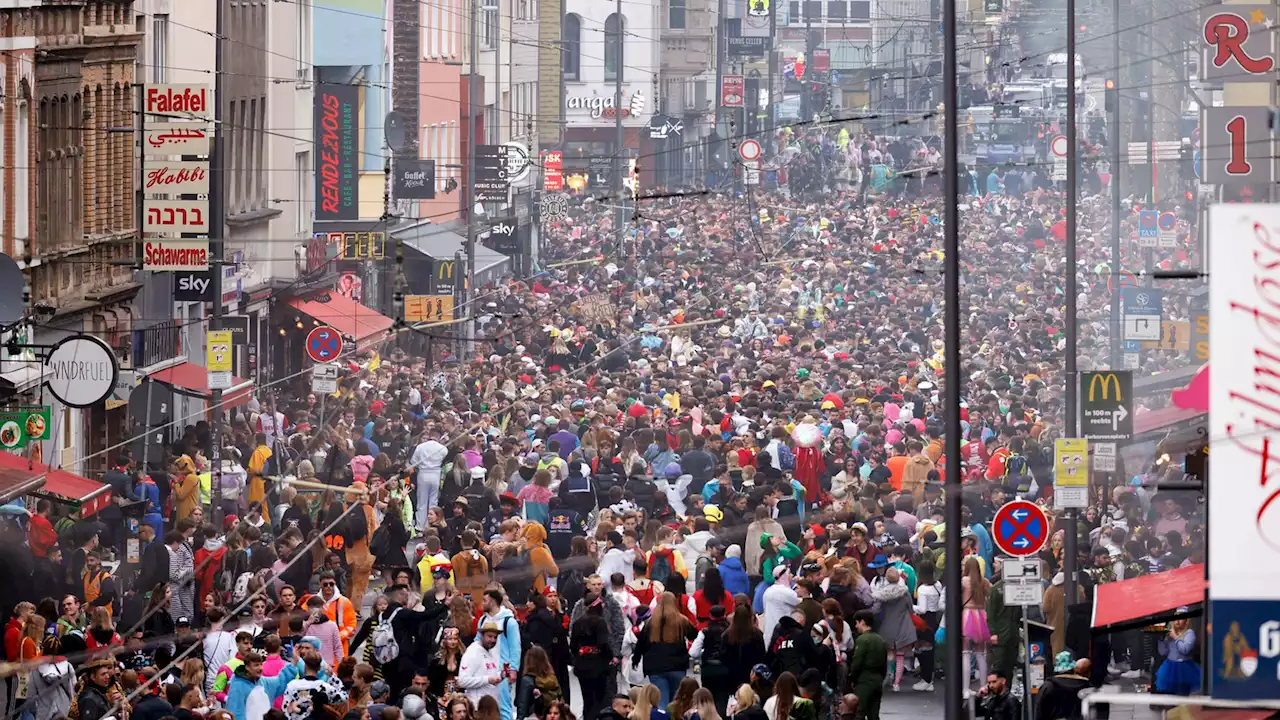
(475, 669)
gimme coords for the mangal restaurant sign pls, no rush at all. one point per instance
(600, 106)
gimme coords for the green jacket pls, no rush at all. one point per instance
(870, 661)
(1003, 620)
(788, 551)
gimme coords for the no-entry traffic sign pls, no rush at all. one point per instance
(1020, 528)
(1059, 146)
(324, 344)
(749, 150)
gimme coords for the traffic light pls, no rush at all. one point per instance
(1112, 99)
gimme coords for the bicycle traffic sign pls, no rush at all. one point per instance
(324, 344)
(1020, 528)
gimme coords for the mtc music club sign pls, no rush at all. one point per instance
(176, 178)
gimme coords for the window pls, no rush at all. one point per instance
(159, 47)
(860, 10)
(304, 41)
(675, 14)
(793, 11)
(571, 45)
(813, 10)
(837, 10)
(614, 27)
(489, 20)
(303, 182)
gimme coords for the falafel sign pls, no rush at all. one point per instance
(20, 426)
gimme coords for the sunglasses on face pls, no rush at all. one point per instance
(327, 584)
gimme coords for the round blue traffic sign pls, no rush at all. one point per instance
(1147, 219)
(324, 344)
(1168, 220)
(1020, 528)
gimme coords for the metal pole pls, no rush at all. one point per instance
(472, 151)
(619, 211)
(1069, 549)
(217, 221)
(773, 66)
(720, 58)
(958, 674)
(1027, 711)
(1117, 359)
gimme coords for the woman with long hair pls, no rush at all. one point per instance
(157, 621)
(839, 637)
(704, 706)
(663, 643)
(459, 708)
(462, 617)
(487, 708)
(743, 643)
(29, 651)
(538, 686)
(102, 632)
(647, 704)
(744, 705)
(442, 670)
(787, 702)
(1179, 673)
(976, 633)
(592, 655)
(682, 703)
(711, 594)
(560, 711)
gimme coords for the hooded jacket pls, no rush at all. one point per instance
(752, 552)
(470, 573)
(1059, 697)
(734, 576)
(208, 564)
(332, 645)
(509, 651)
(343, 612)
(250, 700)
(612, 615)
(186, 488)
(50, 689)
(544, 566)
(790, 649)
(693, 549)
(914, 475)
(895, 610)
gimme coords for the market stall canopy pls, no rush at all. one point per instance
(88, 496)
(191, 379)
(367, 327)
(16, 483)
(1148, 599)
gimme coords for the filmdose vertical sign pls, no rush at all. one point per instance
(1244, 546)
(337, 137)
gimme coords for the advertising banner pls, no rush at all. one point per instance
(414, 179)
(1244, 534)
(20, 426)
(177, 138)
(732, 89)
(337, 139)
(177, 216)
(159, 254)
(553, 171)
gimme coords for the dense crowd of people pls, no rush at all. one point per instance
(702, 480)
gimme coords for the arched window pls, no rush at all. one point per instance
(571, 46)
(614, 27)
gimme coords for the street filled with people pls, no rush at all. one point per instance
(694, 469)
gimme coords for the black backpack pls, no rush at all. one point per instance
(516, 575)
(572, 586)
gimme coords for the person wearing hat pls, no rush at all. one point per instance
(481, 499)
(1059, 696)
(508, 507)
(481, 672)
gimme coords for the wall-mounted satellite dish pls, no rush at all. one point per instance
(393, 129)
(12, 307)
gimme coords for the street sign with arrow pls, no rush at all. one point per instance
(1106, 405)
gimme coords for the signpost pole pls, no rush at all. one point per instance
(619, 157)
(217, 209)
(1026, 668)
(1072, 377)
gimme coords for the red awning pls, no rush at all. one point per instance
(195, 380)
(89, 495)
(367, 327)
(1149, 420)
(1148, 596)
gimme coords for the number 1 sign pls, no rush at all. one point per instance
(1237, 145)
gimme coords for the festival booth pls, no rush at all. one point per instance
(82, 494)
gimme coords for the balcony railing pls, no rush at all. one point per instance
(160, 342)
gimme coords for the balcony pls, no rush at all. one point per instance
(156, 344)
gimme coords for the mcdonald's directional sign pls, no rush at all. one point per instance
(446, 274)
(1106, 405)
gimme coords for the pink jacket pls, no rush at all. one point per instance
(326, 631)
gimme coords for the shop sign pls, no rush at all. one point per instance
(173, 254)
(20, 426)
(177, 216)
(414, 179)
(173, 177)
(320, 250)
(179, 138)
(602, 106)
(746, 46)
(336, 129)
(193, 286)
(184, 100)
(553, 171)
(81, 371)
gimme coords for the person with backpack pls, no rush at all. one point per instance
(470, 568)
(541, 566)
(257, 488)
(362, 523)
(392, 635)
(709, 649)
(498, 618)
(664, 559)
